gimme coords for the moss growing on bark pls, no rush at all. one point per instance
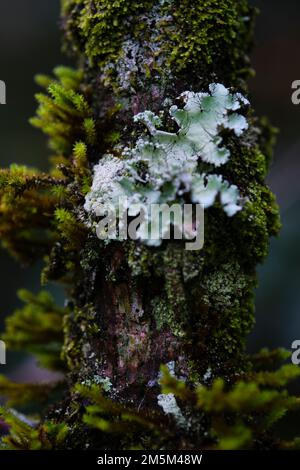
(132, 308)
(174, 37)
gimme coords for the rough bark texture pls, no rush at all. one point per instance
(167, 304)
(133, 308)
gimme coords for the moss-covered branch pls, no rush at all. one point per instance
(133, 307)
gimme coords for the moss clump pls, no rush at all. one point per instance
(37, 329)
(226, 291)
(98, 28)
(26, 435)
(209, 28)
(134, 44)
(131, 307)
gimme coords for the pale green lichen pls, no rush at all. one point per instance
(104, 382)
(163, 167)
(168, 402)
(206, 189)
(170, 407)
(200, 121)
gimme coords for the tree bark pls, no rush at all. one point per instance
(133, 308)
(154, 306)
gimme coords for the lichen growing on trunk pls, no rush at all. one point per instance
(153, 336)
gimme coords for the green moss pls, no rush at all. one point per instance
(97, 32)
(173, 281)
(18, 394)
(28, 435)
(211, 37)
(63, 112)
(136, 56)
(165, 316)
(254, 225)
(212, 33)
(37, 329)
(229, 287)
(230, 407)
(99, 27)
(224, 286)
(80, 327)
(228, 293)
(112, 418)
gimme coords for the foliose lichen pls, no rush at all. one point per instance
(164, 167)
(132, 307)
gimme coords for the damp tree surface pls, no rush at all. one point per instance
(151, 340)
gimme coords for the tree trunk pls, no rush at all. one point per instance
(133, 307)
(158, 306)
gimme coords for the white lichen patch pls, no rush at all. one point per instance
(207, 376)
(163, 167)
(167, 401)
(104, 382)
(139, 62)
(170, 407)
(105, 187)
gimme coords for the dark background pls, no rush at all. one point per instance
(276, 60)
(30, 44)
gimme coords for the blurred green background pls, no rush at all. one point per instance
(30, 44)
(277, 64)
